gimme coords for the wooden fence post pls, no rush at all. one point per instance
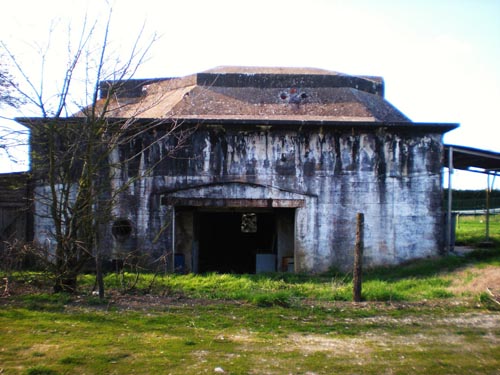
(358, 258)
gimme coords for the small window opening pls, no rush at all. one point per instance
(249, 223)
(121, 229)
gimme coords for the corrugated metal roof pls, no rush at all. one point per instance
(468, 158)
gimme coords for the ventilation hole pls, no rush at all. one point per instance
(121, 229)
(283, 96)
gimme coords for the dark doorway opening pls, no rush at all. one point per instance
(230, 241)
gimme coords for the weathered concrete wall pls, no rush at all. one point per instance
(392, 177)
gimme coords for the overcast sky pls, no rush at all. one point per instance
(440, 59)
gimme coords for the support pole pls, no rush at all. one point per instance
(358, 258)
(172, 262)
(449, 245)
(488, 190)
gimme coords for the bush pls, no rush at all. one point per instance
(19, 255)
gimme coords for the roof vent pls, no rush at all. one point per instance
(293, 96)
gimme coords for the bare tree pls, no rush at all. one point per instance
(71, 155)
(8, 85)
(9, 100)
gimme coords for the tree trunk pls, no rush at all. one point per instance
(99, 276)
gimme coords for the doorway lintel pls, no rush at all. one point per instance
(235, 203)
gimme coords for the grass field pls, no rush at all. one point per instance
(432, 316)
(472, 229)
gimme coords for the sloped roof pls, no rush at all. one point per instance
(253, 93)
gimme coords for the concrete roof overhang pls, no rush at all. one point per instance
(436, 128)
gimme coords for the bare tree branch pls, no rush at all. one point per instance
(75, 159)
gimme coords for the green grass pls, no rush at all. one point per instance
(423, 279)
(249, 339)
(46, 301)
(471, 230)
(296, 324)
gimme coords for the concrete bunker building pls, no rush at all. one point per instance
(271, 179)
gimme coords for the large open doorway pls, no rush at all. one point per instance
(236, 242)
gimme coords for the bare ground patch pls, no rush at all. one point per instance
(321, 343)
(477, 280)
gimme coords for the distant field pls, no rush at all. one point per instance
(472, 229)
